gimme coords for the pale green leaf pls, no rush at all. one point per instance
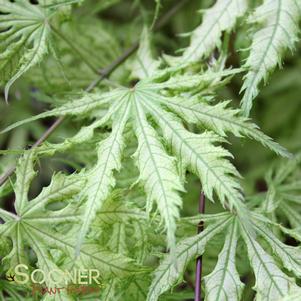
(279, 28)
(100, 178)
(17, 254)
(158, 173)
(223, 283)
(199, 153)
(118, 211)
(23, 39)
(293, 296)
(90, 255)
(7, 216)
(293, 215)
(207, 218)
(109, 292)
(295, 233)
(217, 19)
(61, 187)
(271, 283)
(25, 173)
(149, 104)
(31, 57)
(172, 267)
(221, 119)
(118, 241)
(85, 134)
(144, 65)
(290, 256)
(81, 105)
(205, 81)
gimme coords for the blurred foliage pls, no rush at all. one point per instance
(92, 35)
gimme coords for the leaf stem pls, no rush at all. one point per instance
(199, 263)
(5, 213)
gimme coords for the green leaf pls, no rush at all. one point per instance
(283, 193)
(149, 104)
(172, 267)
(45, 262)
(207, 218)
(113, 211)
(295, 233)
(109, 292)
(61, 187)
(293, 215)
(221, 119)
(17, 254)
(199, 153)
(223, 282)
(25, 174)
(290, 256)
(100, 178)
(82, 105)
(7, 216)
(158, 173)
(293, 296)
(23, 39)
(144, 65)
(271, 282)
(118, 242)
(217, 19)
(153, 127)
(108, 263)
(279, 28)
(41, 228)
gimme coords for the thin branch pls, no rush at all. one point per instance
(169, 14)
(199, 265)
(103, 74)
